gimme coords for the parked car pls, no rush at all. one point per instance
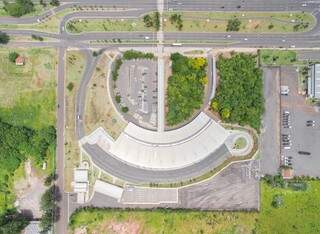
(304, 153)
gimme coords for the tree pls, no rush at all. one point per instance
(124, 109)
(233, 24)
(54, 2)
(70, 86)
(225, 113)
(147, 21)
(13, 56)
(48, 207)
(12, 222)
(277, 201)
(214, 105)
(4, 38)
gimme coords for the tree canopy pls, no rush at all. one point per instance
(239, 98)
(185, 87)
(19, 7)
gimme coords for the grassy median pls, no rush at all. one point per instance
(75, 64)
(251, 22)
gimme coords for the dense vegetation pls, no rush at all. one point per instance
(4, 38)
(239, 98)
(17, 143)
(133, 54)
(19, 7)
(12, 222)
(152, 21)
(185, 87)
(49, 209)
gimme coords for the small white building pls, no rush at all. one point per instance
(81, 184)
(314, 81)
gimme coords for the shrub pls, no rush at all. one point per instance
(233, 24)
(118, 98)
(35, 37)
(13, 56)
(277, 201)
(70, 86)
(133, 54)
(54, 2)
(4, 38)
(124, 109)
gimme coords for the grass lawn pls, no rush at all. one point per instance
(164, 221)
(251, 22)
(27, 93)
(240, 143)
(27, 97)
(101, 25)
(75, 64)
(277, 57)
(299, 214)
(99, 111)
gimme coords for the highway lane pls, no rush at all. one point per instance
(241, 5)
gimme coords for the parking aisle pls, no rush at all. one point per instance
(303, 128)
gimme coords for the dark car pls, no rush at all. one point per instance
(304, 152)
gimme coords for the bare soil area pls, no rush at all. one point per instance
(29, 191)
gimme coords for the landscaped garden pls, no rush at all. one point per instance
(297, 211)
(186, 85)
(239, 97)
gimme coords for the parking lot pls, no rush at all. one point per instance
(300, 128)
(137, 86)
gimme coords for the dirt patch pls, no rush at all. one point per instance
(129, 227)
(81, 230)
(29, 191)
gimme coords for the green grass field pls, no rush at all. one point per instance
(251, 22)
(277, 57)
(299, 214)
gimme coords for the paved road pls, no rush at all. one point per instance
(63, 219)
(138, 175)
(270, 133)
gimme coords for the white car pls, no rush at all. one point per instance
(245, 39)
(147, 38)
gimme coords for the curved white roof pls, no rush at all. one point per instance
(170, 149)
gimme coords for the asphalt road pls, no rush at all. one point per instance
(63, 219)
(138, 175)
